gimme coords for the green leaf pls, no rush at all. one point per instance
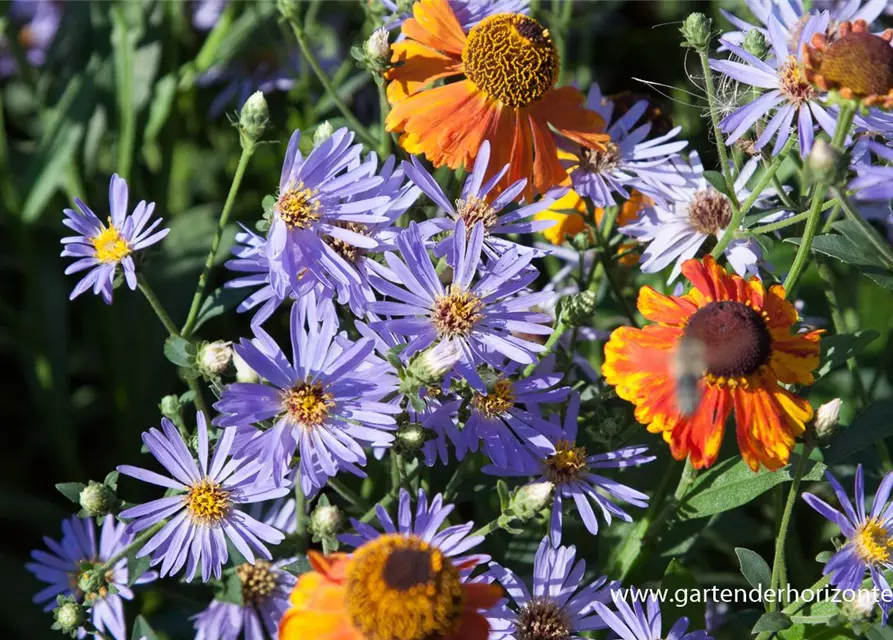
(731, 483)
(716, 180)
(754, 568)
(873, 424)
(837, 349)
(71, 490)
(824, 556)
(142, 630)
(841, 248)
(111, 479)
(219, 302)
(299, 567)
(772, 621)
(678, 578)
(232, 590)
(179, 351)
(136, 567)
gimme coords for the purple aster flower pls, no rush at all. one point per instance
(101, 248)
(468, 12)
(873, 182)
(574, 476)
(475, 206)
(265, 590)
(788, 93)
(675, 232)
(636, 623)
(206, 13)
(559, 600)
(39, 20)
(869, 536)
(327, 403)
(454, 541)
(481, 317)
(629, 159)
(250, 259)
(78, 552)
(201, 513)
(317, 217)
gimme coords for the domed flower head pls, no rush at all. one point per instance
(480, 204)
(78, 552)
(265, 589)
(453, 541)
(481, 317)
(202, 514)
(101, 248)
(749, 352)
(575, 475)
(628, 159)
(638, 623)
(869, 537)
(856, 63)
(675, 229)
(326, 402)
(560, 601)
(506, 94)
(395, 587)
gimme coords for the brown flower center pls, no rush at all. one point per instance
(500, 399)
(566, 464)
(456, 312)
(297, 207)
(542, 619)
(258, 581)
(735, 337)
(511, 57)
(859, 61)
(473, 210)
(600, 160)
(308, 404)
(793, 83)
(346, 250)
(709, 211)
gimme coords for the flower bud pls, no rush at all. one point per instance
(254, 117)
(755, 43)
(410, 438)
(826, 164)
(582, 241)
(860, 608)
(377, 46)
(69, 616)
(214, 357)
(826, 418)
(244, 373)
(288, 8)
(97, 499)
(434, 363)
(90, 581)
(323, 132)
(697, 29)
(531, 499)
(326, 520)
(170, 407)
(579, 308)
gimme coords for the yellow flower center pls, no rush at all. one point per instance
(566, 464)
(297, 208)
(208, 503)
(500, 399)
(511, 57)
(793, 83)
(456, 312)
(872, 542)
(308, 404)
(258, 581)
(599, 160)
(736, 339)
(473, 210)
(861, 62)
(542, 619)
(348, 251)
(109, 245)
(709, 211)
(402, 588)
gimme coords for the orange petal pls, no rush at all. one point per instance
(708, 425)
(419, 66)
(711, 279)
(434, 24)
(671, 310)
(479, 595)
(564, 109)
(547, 170)
(795, 357)
(472, 626)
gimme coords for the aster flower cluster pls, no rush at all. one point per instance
(458, 381)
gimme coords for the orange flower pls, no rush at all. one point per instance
(747, 350)
(509, 66)
(395, 587)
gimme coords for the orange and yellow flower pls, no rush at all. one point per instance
(508, 66)
(748, 350)
(395, 587)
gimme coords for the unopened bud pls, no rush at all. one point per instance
(434, 363)
(90, 581)
(860, 608)
(579, 308)
(323, 132)
(755, 43)
(377, 46)
(254, 117)
(826, 418)
(697, 31)
(97, 499)
(170, 407)
(826, 164)
(244, 373)
(214, 357)
(69, 616)
(410, 438)
(531, 499)
(582, 241)
(325, 521)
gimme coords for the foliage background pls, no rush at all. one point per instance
(82, 379)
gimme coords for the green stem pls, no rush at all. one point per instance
(689, 473)
(784, 524)
(449, 493)
(389, 497)
(717, 132)
(604, 255)
(779, 187)
(795, 606)
(192, 317)
(550, 346)
(10, 192)
(197, 398)
(395, 470)
(153, 301)
(352, 121)
(384, 149)
(868, 231)
(348, 494)
(138, 541)
(300, 515)
(489, 528)
(787, 222)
